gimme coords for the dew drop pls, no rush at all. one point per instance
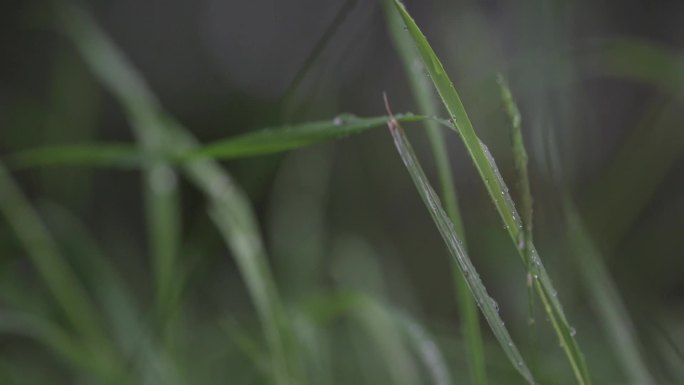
(494, 304)
(573, 331)
(338, 121)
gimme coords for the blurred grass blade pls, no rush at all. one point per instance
(606, 300)
(457, 251)
(272, 140)
(142, 109)
(499, 194)
(640, 60)
(119, 304)
(44, 254)
(525, 192)
(87, 155)
(427, 104)
(230, 207)
(53, 337)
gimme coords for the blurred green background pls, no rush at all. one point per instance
(349, 244)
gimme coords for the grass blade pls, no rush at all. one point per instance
(87, 155)
(606, 300)
(457, 251)
(427, 105)
(44, 254)
(525, 192)
(230, 207)
(499, 194)
(260, 142)
(426, 348)
(272, 140)
(160, 190)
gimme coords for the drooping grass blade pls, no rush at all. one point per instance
(457, 251)
(499, 194)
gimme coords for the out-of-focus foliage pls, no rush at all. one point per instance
(129, 254)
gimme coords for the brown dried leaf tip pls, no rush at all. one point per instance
(392, 123)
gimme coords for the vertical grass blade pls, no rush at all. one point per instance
(159, 178)
(427, 105)
(499, 194)
(457, 251)
(524, 190)
(44, 253)
(230, 207)
(606, 300)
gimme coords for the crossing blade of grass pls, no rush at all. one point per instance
(323, 309)
(260, 142)
(160, 189)
(230, 207)
(427, 104)
(499, 193)
(457, 251)
(90, 155)
(606, 300)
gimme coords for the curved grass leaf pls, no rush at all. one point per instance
(428, 105)
(499, 194)
(230, 207)
(160, 189)
(606, 300)
(324, 309)
(457, 251)
(44, 253)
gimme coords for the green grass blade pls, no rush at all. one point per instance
(64, 345)
(260, 142)
(272, 140)
(426, 348)
(427, 104)
(606, 300)
(457, 251)
(160, 190)
(499, 193)
(524, 190)
(44, 253)
(108, 155)
(230, 207)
